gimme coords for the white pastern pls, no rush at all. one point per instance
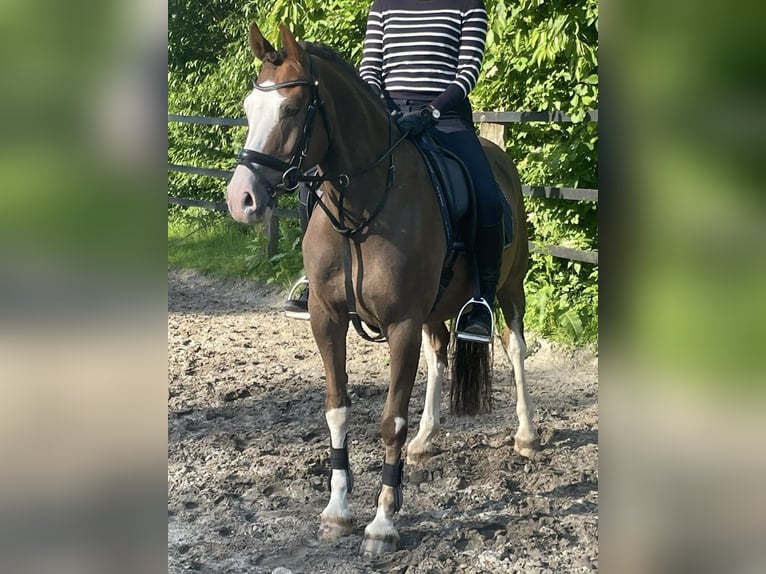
(381, 528)
(262, 110)
(429, 422)
(337, 512)
(336, 518)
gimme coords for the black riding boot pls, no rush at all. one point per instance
(488, 250)
(297, 304)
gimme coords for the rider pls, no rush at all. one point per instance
(425, 56)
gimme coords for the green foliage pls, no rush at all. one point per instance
(540, 55)
(284, 267)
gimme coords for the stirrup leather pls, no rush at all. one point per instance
(294, 295)
(473, 337)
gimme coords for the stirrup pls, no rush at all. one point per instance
(293, 296)
(473, 337)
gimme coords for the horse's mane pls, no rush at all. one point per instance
(329, 54)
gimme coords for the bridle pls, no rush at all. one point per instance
(292, 174)
(292, 171)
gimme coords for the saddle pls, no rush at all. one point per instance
(456, 197)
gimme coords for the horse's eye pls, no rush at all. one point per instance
(290, 110)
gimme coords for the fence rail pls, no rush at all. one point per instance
(490, 120)
(497, 117)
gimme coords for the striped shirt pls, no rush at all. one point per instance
(432, 48)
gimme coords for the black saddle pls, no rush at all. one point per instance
(457, 199)
(454, 191)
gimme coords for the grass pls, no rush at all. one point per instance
(210, 243)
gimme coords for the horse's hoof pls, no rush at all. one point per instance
(373, 547)
(330, 531)
(420, 456)
(416, 458)
(527, 449)
(418, 453)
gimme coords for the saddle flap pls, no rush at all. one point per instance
(450, 175)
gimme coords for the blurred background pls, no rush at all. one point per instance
(82, 286)
(683, 316)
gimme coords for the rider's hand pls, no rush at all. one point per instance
(416, 122)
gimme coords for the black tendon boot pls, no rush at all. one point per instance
(487, 250)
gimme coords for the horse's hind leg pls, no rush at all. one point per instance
(336, 519)
(380, 536)
(511, 299)
(435, 342)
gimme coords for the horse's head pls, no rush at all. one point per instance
(281, 111)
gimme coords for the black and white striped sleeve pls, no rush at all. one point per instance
(473, 36)
(371, 68)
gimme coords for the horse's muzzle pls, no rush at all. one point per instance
(246, 201)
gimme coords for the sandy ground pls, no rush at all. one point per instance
(248, 452)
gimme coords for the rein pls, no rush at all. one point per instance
(344, 180)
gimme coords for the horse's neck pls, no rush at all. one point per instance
(359, 131)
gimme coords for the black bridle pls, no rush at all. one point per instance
(292, 174)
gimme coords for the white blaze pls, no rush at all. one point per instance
(262, 110)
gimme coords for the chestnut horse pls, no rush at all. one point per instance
(374, 252)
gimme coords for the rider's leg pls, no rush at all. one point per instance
(488, 249)
(297, 305)
(488, 245)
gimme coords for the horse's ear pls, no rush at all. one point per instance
(290, 45)
(258, 44)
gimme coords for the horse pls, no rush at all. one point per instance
(373, 253)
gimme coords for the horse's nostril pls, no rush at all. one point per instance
(248, 199)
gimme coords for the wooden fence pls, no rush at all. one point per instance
(491, 125)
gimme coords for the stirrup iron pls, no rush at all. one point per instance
(293, 296)
(474, 338)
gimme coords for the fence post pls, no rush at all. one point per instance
(271, 228)
(493, 132)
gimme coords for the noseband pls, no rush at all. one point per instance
(292, 174)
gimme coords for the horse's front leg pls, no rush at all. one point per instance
(380, 536)
(435, 342)
(336, 519)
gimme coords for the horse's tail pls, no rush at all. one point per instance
(471, 390)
